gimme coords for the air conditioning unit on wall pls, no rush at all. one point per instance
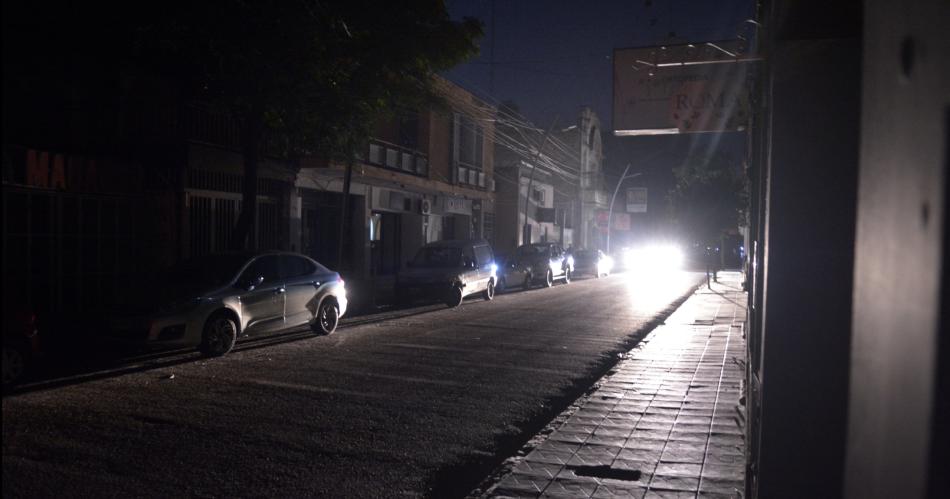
(425, 206)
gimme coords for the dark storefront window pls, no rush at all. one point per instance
(64, 251)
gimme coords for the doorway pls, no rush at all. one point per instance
(385, 243)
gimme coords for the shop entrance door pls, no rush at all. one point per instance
(385, 243)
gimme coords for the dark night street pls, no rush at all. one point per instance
(420, 402)
(476, 249)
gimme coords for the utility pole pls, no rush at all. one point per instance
(526, 229)
(610, 209)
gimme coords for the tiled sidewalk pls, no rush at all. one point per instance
(666, 423)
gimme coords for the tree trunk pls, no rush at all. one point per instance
(245, 230)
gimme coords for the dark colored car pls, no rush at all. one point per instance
(592, 262)
(542, 263)
(448, 271)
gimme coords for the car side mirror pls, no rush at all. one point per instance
(255, 282)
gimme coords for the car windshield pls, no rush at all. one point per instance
(585, 255)
(433, 257)
(532, 249)
(205, 272)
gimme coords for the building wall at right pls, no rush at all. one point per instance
(898, 412)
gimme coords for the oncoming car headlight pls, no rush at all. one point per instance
(658, 257)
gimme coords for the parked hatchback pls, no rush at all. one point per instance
(448, 271)
(209, 301)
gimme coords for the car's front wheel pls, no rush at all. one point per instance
(219, 336)
(327, 318)
(454, 297)
(489, 292)
(548, 279)
(567, 276)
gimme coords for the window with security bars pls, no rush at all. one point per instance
(467, 151)
(488, 227)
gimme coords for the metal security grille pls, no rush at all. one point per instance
(214, 200)
(268, 216)
(212, 217)
(230, 182)
(65, 251)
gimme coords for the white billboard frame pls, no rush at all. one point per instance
(686, 88)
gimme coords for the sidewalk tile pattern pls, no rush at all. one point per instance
(666, 424)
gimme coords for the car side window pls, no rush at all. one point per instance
(483, 256)
(295, 266)
(266, 266)
(467, 255)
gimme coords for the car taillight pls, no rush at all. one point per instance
(339, 279)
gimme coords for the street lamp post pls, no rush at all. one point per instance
(610, 209)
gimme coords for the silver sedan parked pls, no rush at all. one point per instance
(210, 301)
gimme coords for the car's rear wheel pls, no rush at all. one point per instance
(454, 297)
(489, 292)
(548, 279)
(219, 336)
(327, 318)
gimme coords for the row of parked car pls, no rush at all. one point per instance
(210, 301)
(451, 270)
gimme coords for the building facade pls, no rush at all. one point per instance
(119, 192)
(425, 176)
(592, 195)
(561, 182)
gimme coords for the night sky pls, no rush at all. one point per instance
(554, 57)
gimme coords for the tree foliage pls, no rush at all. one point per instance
(317, 73)
(710, 196)
(308, 77)
(302, 77)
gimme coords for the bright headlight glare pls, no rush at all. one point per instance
(654, 258)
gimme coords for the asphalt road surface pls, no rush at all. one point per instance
(418, 402)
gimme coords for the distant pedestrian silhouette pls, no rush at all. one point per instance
(712, 265)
